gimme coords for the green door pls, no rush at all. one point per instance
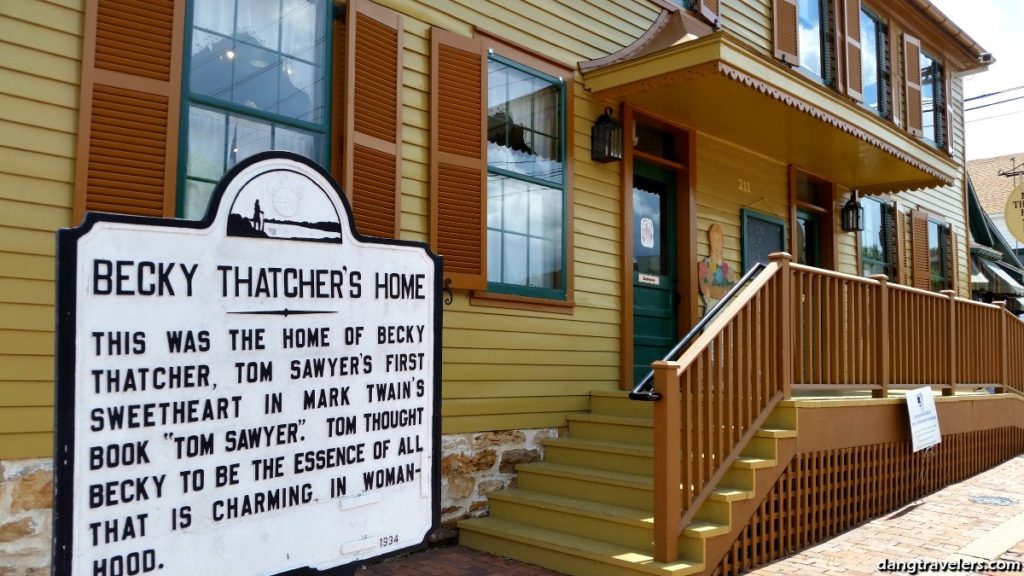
(654, 266)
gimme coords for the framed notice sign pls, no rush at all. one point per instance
(253, 394)
(924, 419)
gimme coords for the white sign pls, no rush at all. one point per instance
(649, 279)
(647, 233)
(924, 420)
(253, 394)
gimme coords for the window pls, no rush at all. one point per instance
(525, 180)
(256, 80)
(815, 38)
(932, 100)
(874, 63)
(939, 256)
(878, 239)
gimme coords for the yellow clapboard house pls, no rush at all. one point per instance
(598, 175)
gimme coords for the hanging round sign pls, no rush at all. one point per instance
(1014, 212)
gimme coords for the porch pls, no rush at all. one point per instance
(786, 409)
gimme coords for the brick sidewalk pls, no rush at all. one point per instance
(943, 526)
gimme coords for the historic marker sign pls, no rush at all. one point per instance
(253, 394)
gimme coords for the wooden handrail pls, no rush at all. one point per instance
(796, 325)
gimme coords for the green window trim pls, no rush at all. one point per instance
(560, 183)
(322, 129)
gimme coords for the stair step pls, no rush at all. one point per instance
(725, 494)
(617, 403)
(612, 428)
(753, 463)
(705, 529)
(564, 552)
(589, 452)
(587, 518)
(595, 484)
(775, 433)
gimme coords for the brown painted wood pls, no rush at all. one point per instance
(127, 152)
(372, 141)
(458, 156)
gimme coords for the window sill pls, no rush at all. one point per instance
(497, 300)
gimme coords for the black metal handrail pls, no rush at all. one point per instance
(644, 390)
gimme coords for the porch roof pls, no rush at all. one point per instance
(713, 82)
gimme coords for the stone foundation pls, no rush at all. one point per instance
(471, 466)
(26, 502)
(474, 464)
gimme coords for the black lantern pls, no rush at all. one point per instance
(606, 138)
(852, 215)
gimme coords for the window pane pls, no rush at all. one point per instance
(929, 75)
(214, 15)
(872, 239)
(514, 270)
(524, 123)
(258, 22)
(206, 143)
(935, 267)
(197, 197)
(271, 58)
(869, 59)
(525, 233)
(247, 138)
(809, 35)
(648, 257)
(303, 143)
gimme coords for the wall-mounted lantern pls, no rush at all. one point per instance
(606, 138)
(852, 214)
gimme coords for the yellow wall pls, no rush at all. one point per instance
(40, 51)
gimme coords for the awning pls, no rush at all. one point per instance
(1000, 281)
(1015, 305)
(717, 84)
(978, 281)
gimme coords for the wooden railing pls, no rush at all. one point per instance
(713, 400)
(801, 327)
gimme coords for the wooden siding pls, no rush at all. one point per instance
(751, 20)
(40, 53)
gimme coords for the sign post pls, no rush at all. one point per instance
(924, 420)
(254, 394)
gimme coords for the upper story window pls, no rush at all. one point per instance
(256, 80)
(525, 180)
(815, 38)
(932, 100)
(874, 62)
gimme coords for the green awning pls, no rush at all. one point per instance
(999, 281)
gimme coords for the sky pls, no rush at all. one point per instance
(995, 126)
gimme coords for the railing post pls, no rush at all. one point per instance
(951, 391)
(882, 335)
(668, 497)
(785, 306)
(1004, 347)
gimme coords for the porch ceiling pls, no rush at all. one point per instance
(716, 85)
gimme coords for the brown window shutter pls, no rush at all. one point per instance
(953, 261)
(854, 81)
(458, 157)
(129, 107)
(912, 79)
(709, 9)
(373, 117)
(920, 265)
(786, 31)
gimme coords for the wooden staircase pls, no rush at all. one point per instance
(586, 509)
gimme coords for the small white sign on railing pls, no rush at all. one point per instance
(924, 419)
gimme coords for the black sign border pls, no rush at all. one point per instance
(64, 358)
